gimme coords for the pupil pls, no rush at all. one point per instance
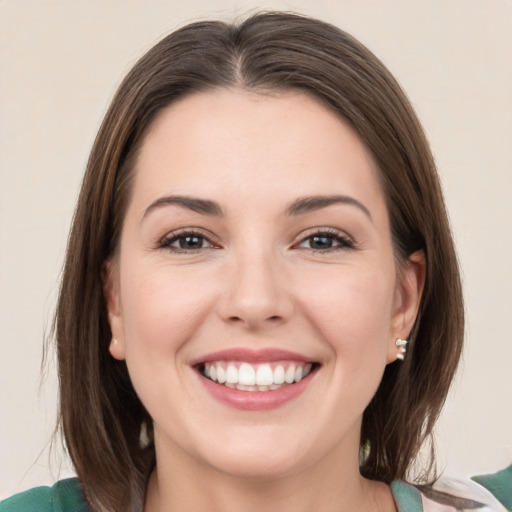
(191, 242)
(322, 242)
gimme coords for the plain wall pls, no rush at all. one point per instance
(60, 63)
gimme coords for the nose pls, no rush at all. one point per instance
(256, 294)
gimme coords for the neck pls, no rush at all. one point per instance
(327, 486)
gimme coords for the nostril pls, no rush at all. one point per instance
(273, 318)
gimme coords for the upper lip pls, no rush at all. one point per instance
(264, 355)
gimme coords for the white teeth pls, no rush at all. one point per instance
(278, 374)
(246, 375)
(289, 376)
(264, 375)
(232, 374)
(256, 377)
(221, 374)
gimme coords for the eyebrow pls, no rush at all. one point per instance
(313, 203)
(195, 204)
(298, 207)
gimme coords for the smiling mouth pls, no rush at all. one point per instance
(246, 376)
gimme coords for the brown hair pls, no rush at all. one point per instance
(100, 414)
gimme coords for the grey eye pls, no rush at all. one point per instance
(190, 242)
(186, 242)
(325, 241)
(321, 242)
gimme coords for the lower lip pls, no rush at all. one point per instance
(256, 400)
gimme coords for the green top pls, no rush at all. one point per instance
(499, 484)
(66, 496)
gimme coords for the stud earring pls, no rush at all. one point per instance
(115, 349)
(402, 348)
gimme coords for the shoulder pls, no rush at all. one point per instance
(487, 493)
(64, 496)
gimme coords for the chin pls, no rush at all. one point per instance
(258, 467)
(259, 455)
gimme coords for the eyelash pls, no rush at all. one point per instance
(168, 240)
(343, 242)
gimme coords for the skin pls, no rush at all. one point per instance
(257, 280)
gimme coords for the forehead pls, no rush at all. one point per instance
(230, 142)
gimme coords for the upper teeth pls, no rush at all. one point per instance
(266, 375)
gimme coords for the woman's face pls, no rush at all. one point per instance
(256, 253)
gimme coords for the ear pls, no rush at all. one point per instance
(110, 277)
(409, 289)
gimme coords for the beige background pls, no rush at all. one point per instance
(60, 63)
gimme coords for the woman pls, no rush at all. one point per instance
(261, 303)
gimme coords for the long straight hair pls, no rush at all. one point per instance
(107, 430)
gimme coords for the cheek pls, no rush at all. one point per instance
(360, 302)
(160, 309)
(352, 309)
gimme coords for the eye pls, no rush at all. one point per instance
(186, 242)
(326, 240)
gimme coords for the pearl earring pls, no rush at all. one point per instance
(402, 348)
(115, 349)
